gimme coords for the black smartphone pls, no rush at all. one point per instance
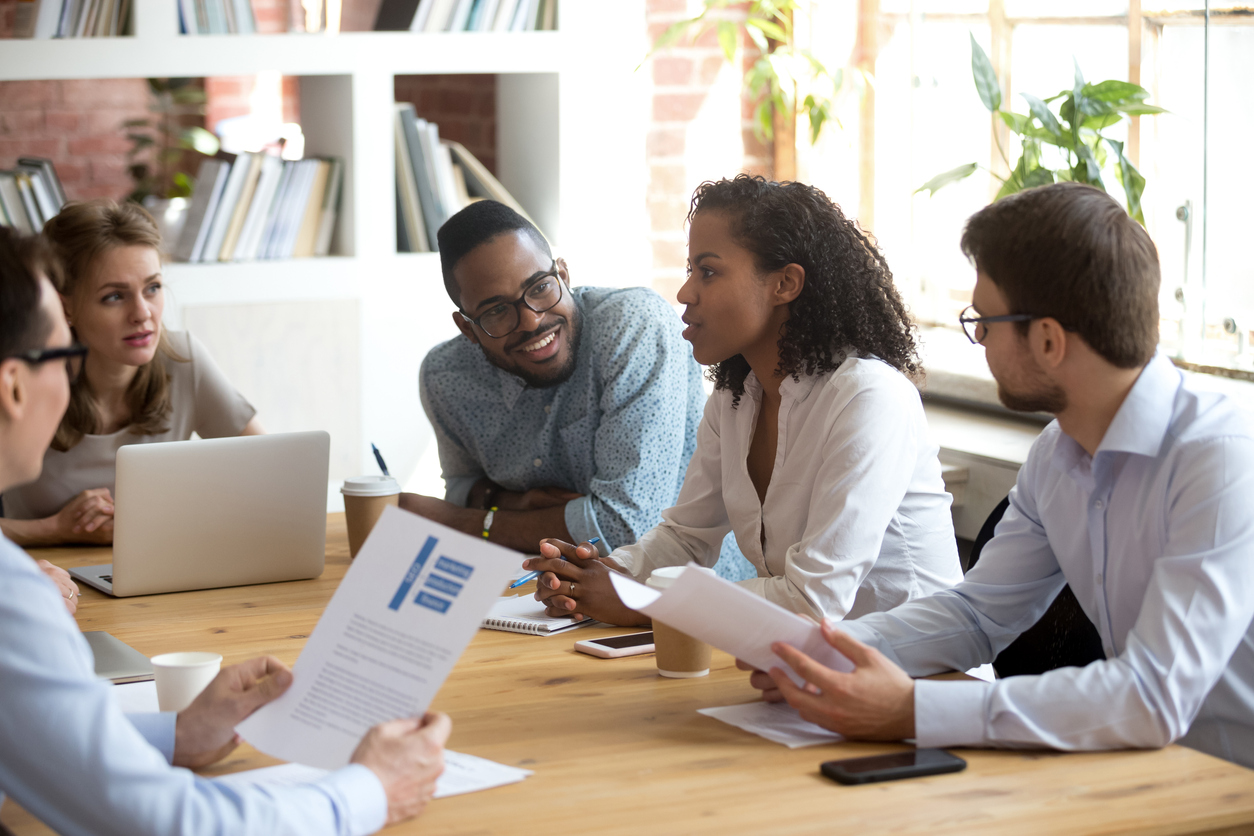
(892, 767)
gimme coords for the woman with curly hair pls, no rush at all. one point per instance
(814, 448)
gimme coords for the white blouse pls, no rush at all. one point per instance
(856, 515)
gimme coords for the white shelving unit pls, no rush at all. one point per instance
(335, 343)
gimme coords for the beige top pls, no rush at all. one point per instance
(203, 400)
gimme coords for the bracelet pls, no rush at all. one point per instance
(487, 521)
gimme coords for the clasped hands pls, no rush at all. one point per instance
(575, 581)
(406, 754)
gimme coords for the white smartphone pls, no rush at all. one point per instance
(612, 647)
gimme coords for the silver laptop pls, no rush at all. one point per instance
(216, 512)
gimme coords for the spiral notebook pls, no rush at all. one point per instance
(524, 614)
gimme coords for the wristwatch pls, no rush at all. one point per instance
(487, 521)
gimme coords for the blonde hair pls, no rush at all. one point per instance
(80, 234)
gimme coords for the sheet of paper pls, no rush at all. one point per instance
(136, 697)
(462, 774)
(776, 721)
(526, 615)
(406, 609)
(731, 618)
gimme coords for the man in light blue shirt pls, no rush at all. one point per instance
(1139, 495)
(572, 412)
(67, 753)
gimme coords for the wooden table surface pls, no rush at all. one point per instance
(618, 749)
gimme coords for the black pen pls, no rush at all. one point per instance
(379, 458)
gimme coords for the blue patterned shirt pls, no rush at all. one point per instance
(620, 431)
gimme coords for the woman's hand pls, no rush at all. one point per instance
(67, 587)
(574, 581)
(87, 518)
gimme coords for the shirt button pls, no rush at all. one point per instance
(537, 462)
(1098, 505)
(548, 409)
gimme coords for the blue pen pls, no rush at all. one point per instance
(531, 576)
(379, 458)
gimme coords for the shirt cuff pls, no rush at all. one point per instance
(364, 796)
(457, 489)
(948, 713)
(581, 522)
(158, 730)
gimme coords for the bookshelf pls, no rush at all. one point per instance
(335, 343)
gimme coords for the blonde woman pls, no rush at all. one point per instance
(139, 383)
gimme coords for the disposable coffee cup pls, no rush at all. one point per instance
(678, 655)
(182, 676)
(365, 497)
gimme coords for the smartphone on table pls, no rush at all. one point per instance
(893, 766)
(612, 647)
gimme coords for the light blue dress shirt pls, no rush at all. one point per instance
(74, 761)
(620, 431)
(1155, 534)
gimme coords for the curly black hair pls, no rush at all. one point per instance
(849, 304)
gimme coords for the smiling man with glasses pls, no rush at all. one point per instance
(559, 412)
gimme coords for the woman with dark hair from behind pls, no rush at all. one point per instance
(814, 448)
(140, 383)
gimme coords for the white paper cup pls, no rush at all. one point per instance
(182, 676)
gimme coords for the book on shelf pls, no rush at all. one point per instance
(216, 17)
(466, 15)
(30, 194)
(43, 19)
(435, 179)
(257, 206)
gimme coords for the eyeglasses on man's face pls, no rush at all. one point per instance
(502, 319)
(72, 354)
(976, 327)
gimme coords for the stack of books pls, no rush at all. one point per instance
(216, 17)
(30, 195)
(466, 15)
(435, 179)
(72, 18)
(258, 206)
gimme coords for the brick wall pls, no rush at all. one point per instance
(76, 124)
(691, 85)
(464, 106)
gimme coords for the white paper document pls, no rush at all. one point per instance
(136, 697)
(462, 774)
(733, 619)
(776, 721)
(406, 609)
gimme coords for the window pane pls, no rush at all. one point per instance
(932, 7)
(1065, 8)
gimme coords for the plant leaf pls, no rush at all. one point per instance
(1043, 114)
(1092, 172)
(198, 139)
(1038, 177)
(727, 38)
(1140, 110)
(768, 27)
(985, 79)
(944, 179)
(1096, 123)
(674, 32)
(1133, 181)
(759, 40)
(1115, 92)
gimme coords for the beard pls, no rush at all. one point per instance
(556, 375)
(1036, 395)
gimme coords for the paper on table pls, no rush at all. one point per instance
(462, 774)
(776, 721)
(732, 619)
(408, 606)
(136, 697)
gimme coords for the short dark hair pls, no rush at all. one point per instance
(23, 259)
(849, 304)
(1070, 251)
(477, 224)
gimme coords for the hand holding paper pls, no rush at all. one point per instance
(732, 619)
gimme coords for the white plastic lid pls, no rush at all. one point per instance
(370, 486)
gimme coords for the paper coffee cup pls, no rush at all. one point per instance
(365, 497)
(678, 655)
(182, 676)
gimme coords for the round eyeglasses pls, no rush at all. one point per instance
(502, 319)
(72, 354)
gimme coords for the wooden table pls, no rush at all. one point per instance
(618, 750)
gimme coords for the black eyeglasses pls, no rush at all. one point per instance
(502, 319)
(72, 354)
(973, 325)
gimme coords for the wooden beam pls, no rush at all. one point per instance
(1134, 76)
(866, 51)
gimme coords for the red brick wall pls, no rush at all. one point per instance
(464, 106)
(682, 77)
(76, 124)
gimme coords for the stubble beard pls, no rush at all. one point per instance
(559, 374)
